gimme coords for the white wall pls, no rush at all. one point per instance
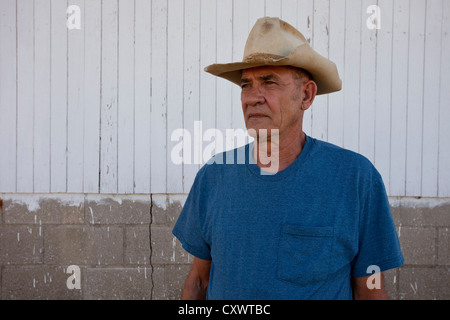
(93, 110)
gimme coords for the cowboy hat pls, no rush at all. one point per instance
(274, 42)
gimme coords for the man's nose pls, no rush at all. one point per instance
(252, 96)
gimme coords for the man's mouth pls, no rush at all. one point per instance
(257, 115)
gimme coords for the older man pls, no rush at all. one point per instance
(315, 222)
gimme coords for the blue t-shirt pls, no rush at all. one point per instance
(301, 233)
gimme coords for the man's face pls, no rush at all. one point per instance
(272, 99)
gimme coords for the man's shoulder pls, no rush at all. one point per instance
(238, 155)
(332, 150)
(225, 160)
(348, 165)
(342, 157)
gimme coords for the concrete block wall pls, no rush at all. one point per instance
(124, 248)
(423, 227)
(106, 236)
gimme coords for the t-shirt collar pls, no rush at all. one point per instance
(251, 164)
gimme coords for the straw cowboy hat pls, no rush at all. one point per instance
(273, 42)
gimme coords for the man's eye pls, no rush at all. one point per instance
(244, 85)
(269, 82)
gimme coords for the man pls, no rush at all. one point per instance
(314, 222)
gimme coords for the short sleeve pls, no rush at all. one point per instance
(379, 245)
(187, 228)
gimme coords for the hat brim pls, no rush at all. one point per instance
(323, 71)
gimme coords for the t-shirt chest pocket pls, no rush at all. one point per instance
(304, 254)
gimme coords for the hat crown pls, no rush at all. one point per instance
(274, 42)
(272, 37)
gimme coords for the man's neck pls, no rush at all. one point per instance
(276, 154)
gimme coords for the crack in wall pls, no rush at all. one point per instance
(150, 246)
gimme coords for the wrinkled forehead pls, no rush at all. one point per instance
(275, 72)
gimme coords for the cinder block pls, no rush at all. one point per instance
(175, 205)
(66, 245)
(424, 283)
(166, 249)
(418, 245)
(391, 283)
(444, 247)
(181, 255)
(421, 212)
(21, 245)
(163, 249)
(159, 209)
(169, 281)
(117, 209)
(166, 208)
(41, 209)
(137, 245)
(39, 283)
(119, 283)
(174, 279)
(159, 292)
(395, 209)
(1, 215)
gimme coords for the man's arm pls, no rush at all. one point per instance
(361, 290)
(197, 280)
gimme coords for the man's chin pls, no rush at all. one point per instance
(262, 133)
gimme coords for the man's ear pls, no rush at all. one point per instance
(309, 94)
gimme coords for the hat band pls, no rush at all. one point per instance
(258, 57)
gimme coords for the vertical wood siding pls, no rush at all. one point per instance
(92, 110)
